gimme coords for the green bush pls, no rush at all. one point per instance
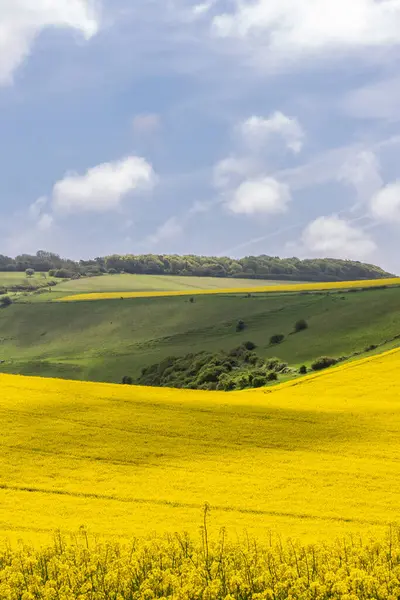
(127, 380)
(301, 325)
(259, 381)
(371, 347)
(5, 301)
(323, 363)
(272, 376)
(249, 345)
(240, 325)
(276, 339)
(303, 370)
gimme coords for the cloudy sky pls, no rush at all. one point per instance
(225, 127)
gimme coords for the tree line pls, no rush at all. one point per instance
(249, 267)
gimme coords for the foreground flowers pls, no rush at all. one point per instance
(177, 567)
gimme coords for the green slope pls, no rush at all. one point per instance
(144, 283)
(105, 340)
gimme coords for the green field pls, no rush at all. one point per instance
(142, 283)
(11, 279)
(105, 340)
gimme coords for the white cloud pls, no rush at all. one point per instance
(259, 196)
(167, 231)
(385, 204)
(36, 208)
(297, 27)
(334, 237)
(22, 20)
(200, 10)
(363, 172)
(257, 131)
(45, 222)
(102, 188)
(231, 170)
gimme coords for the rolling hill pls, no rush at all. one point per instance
(312, 459)
(108, 339)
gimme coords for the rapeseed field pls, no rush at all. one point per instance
(178, 568)
(314, 459)
(295, 287)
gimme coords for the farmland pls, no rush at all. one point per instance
(240, 287)
(108, 339)
(311, 459)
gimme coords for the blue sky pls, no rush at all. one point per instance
(223, 127)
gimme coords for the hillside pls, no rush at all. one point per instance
(315, 459)
(109, 339)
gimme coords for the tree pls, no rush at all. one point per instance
(303, 370)
(30, 272)
(277, 339)
(301, 325)
(249, 345)
(323, 363)
(5, 301)
(240, 325)
(127, 380)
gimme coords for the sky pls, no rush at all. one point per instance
(229, 127)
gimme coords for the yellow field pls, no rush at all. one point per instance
(313, 458)
(300, 287)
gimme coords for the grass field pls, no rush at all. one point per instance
(224, 287)
(144, 283)
(104, 341)
(313, 459)
(9, 280)
(127, 284)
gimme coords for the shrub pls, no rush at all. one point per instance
(112, 271)
(301, 325)
(127, 380)
(371, 347)
(303, 370)
(272, 376)
(277, 339)
(5, 301)
(323, 363)
(61, 273)
(191, 300)
(249, 345)
(30, 272)
(259, 381)
(240, 325)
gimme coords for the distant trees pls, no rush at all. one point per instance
(250, 267)
(127, 380)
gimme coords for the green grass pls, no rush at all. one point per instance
(9, 280)
(105, 340)
(145, 283)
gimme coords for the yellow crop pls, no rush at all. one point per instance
(178, 569)
(300, 287)
(314, 458)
